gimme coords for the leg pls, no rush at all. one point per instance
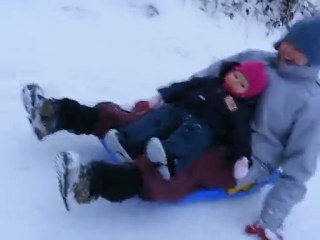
(134, 137)
(183, 146)
(208, 171)
(76, 118)
(115, 183)
(96, 179)
(188, 142)
(159, 123)
(51, 115)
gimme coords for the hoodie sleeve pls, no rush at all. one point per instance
(299, 164)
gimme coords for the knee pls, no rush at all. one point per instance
(167, 110)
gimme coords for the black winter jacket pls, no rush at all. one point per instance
(206, 98)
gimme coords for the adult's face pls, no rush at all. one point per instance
(287, 53)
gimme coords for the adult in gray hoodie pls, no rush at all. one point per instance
(287, 123)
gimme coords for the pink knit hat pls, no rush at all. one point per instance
(256, 75)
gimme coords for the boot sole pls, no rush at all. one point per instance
(63, 160)
(29, 94)
(155, 152)
(115, 146)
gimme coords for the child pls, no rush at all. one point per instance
(202, 112)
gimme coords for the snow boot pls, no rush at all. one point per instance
(113, 141)
(157, 155)
(73, 177)
(41, 111)
(241, 168)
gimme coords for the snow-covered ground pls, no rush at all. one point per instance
(111, 50)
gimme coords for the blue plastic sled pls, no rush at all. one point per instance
(213, 193)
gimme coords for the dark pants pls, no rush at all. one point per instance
(75, 117)
(114, 182)
(184, 137)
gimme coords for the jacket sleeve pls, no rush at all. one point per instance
(176, 91)
(241, 135)
(299, 164)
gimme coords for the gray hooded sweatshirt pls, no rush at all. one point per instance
(286, 132)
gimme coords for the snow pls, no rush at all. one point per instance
(110, 50)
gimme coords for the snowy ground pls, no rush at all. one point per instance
(110, 50)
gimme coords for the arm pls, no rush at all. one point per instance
(176, 91)
(299, 164)
(241, 135)
(169, 94)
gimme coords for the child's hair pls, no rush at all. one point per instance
(226, 67)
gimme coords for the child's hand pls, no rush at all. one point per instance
(241, 168)
(262, 233)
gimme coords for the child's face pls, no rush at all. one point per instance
(236, 82)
